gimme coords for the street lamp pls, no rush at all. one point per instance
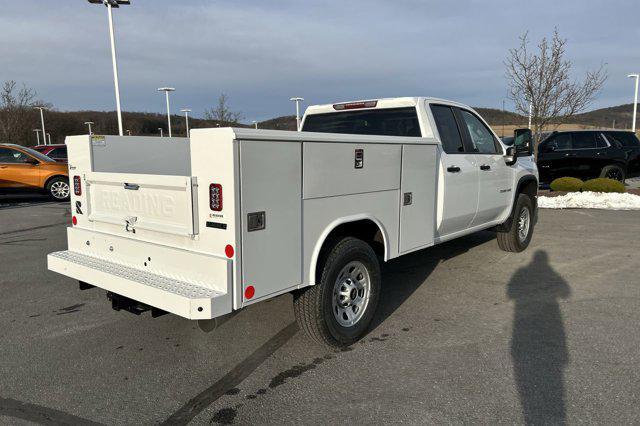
(166, 91)
(635, 101)
(89, 123)
(255, 124)
(186, 117)
(161, 134)
(44, 133)
(297, 100)
(37, 134)
(111, 4)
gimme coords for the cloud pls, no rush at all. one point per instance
(261, 53)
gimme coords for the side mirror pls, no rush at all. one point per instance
(31, 161)
(523, 141)
(511, 156)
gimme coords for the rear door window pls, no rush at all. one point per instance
(448, 129)
(381, 122)
(601, 142)
(583, 140)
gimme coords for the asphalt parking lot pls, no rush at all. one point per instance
(465, 333)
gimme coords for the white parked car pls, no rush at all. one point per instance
(205, 226)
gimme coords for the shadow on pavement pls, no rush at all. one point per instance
(22, 200)
(403, 276)
(538, 343)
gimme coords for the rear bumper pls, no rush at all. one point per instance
(169, 294)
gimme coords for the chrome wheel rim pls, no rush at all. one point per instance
(60, 190)
(351, 293)
(615, 174)
(524, 222)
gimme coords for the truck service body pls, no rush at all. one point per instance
(205, 226)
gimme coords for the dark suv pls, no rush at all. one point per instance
(587, 154)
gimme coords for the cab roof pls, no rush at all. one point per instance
(379, 104)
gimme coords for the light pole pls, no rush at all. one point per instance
(255, 124)
(503, 118)
(37, 134)
(49, 138)
(530, 113)
(186, 117)
(161, 134)
(635, 101)
(44, 132)
(111, 4)
(89, 123)
(166, 91)
(297, 100)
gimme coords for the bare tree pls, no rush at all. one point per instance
(222, 112)
(17, 117)
(543, 79)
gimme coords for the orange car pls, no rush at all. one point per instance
(24, 169)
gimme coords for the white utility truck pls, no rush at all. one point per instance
(205, 226)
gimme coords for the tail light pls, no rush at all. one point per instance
(77, 186)
(215, 197)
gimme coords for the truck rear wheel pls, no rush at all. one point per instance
(517, 238)
(338, 310)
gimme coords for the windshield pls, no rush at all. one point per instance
(382, 122)
(40, 156)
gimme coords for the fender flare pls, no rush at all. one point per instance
(331, 227)
(524, 180)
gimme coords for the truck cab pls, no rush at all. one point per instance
(475, 183)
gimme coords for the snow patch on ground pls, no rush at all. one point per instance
(591, 200)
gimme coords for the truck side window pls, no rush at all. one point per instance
(481, 136)
(448, 129)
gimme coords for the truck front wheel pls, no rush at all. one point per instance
(338, 310)
(517, 238)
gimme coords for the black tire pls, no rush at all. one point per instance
(613, 172)
(314, 306)
(512, 240)
(58, 189)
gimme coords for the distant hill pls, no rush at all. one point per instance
(60, 124)
(622, 115)
(604, 117)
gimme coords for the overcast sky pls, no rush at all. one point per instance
(260, 53)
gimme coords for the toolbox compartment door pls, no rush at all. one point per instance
(271, 199)
(160, 203)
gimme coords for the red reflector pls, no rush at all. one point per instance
(249, 292)
(355, 105)
(228, 250)
(215, 197)
(74, 220)
(77, 185)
